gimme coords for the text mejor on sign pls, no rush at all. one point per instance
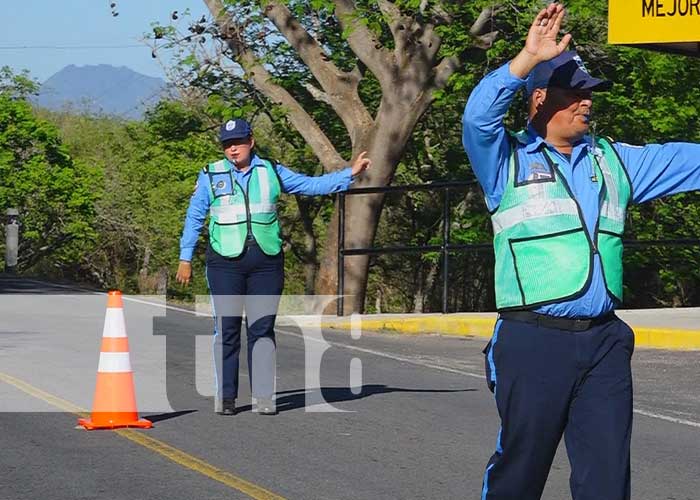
(653, 21)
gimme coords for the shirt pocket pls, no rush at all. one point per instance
(222, 185)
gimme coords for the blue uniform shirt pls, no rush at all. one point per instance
(291, 182)
(655, 170)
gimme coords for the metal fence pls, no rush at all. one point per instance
(445, 247)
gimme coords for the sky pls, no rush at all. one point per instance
(44, 36)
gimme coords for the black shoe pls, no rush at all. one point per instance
(266, 407)
(228, 407)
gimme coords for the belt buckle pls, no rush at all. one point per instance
(581, 324)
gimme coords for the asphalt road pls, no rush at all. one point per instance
(415, 421)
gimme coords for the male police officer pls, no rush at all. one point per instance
(245, 262)
(559, 358)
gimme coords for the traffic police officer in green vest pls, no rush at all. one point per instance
(559, 359)
(244, 258)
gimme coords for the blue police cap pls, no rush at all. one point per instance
(566, 71)
(235, 129)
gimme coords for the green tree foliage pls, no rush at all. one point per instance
(654, 101)
(148, 173)
(17, 86)
(55, 195)
(103, 200)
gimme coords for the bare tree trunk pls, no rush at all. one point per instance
(361, 221)
(430, 280)
(419, 294)
(309, 257)
(162, 281)
(152, 283)
(363, 211)
(143, 280)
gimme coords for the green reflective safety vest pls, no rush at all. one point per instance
(543, 252)
(235, 213)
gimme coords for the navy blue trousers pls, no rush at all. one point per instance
(252, 281)
(548, 383)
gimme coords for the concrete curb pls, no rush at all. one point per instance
(481, 325)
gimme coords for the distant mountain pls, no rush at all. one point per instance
(101, 89)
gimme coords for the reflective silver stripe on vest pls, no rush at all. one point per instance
(612, 212)
(264, 184)
(228, 214)
(263, 208)
(611, 206)
(219, 166)
(532, 209)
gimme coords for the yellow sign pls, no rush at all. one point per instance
(653, 21)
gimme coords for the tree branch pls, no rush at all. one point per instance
(364, 43)
(445, 70)
(416, 43)
(391, 13)
(440, 15)
(481, 29)
(305, 45)
(340, 87)
(263, 81)
(317, 93)
(486, 41)
(480, 26)
(401, 28)
(429, 42)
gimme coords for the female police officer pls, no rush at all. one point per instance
(244, 259)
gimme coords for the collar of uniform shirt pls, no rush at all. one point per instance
(255, 161)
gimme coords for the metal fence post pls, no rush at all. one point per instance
(445, 248)
(341, 253)
(445, 242)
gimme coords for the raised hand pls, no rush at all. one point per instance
(541, 43)
(361, 164)
(542, 38)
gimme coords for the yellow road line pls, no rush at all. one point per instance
(197, 465)
(57, 402)
(178, 456)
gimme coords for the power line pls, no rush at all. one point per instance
(69, 47)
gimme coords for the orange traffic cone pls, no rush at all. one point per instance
(115, 401)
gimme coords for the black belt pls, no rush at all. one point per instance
(546, 321)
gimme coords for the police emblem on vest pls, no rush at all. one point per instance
(235, 212)
(543, 251)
